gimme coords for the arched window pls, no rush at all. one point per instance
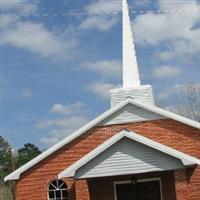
(58, 190)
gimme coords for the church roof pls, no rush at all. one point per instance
(16, 174)
(141, 96)
(139, 155)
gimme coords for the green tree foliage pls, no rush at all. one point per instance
(5, 158)
(10, 161)
(27, 153)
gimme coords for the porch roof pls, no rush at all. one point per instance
(128, 153)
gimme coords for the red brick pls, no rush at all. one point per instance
(33, 184)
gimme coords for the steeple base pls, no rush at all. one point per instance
(143, 94)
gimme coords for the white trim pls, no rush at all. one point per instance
(72, 169)
(16, 174)
(50, 183)
(167, 114)
(186, 159)
(139, 180)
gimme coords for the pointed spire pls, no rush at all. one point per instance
(131, 79)
(130, 69)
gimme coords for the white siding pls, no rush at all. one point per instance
(128, 157)
(130, 113)
(143, 94)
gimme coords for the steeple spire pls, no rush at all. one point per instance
(132, 88)
(130, 68)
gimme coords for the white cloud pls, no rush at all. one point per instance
(182, 48)
(106, 7)
(165, 55)
(163, 95)
(101, 15)
(174, 28)
(72, 118)
(19, 7)
(168, 92)
(166, 26)
(67, 122)
(37, 39)
(166, 71)
(49, 141)
(106, 68)
(60, 128)
(7, 21)
(102, 23)
(26, 93)
(101, 89)
(68, 109)
(34, 36)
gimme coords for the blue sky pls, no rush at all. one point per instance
(59, 59)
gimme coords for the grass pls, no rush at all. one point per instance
(6, 191)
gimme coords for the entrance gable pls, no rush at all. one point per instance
(125, 153)
(128, 157)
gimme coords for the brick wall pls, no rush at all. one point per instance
(33, 183)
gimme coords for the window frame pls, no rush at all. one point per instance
(59, 189)
(139, 180)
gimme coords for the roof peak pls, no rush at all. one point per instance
(131, 76)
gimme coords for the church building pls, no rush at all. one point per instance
(133, 151)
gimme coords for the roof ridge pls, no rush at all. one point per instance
(16, 174)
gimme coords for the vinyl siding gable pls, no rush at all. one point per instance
(128, 157)
(130, 113)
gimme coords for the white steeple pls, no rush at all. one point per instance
(132, 87)
(130, 68)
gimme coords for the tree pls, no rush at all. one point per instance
(5, 158)
(8, 161)
(187, 102)
(27, 153)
